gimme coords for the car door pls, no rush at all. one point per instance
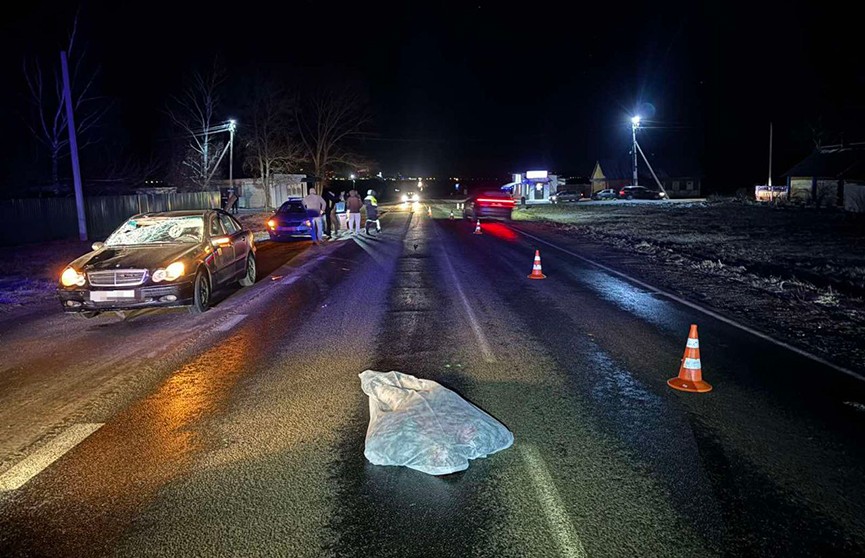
(223, 251)
(239, 243)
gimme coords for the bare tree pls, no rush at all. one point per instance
(326, 122)
(270, 138)
(48, 121)
(194, 114)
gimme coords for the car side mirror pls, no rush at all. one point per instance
(218, 241)
(97, 245)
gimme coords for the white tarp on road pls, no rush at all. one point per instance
(422, 425)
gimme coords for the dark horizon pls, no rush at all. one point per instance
(468, 89)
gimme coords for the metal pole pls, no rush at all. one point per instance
(231, 158)
(770, 156)
(651, 170)
(634, 132)
(73, 149)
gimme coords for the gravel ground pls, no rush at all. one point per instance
(796, 273)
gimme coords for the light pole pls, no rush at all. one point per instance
(232, 126)
(352, 177)
(635, 123)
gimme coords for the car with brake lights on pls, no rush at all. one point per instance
(289, 222)
(173, 258)
(640, 193)
(494, 203)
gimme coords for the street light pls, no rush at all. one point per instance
(352, 177)
(232, 126)
(635, 123)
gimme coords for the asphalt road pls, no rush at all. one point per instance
(243, 433)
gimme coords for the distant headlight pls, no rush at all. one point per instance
(170, 273)
(71, 277)
(663, 194)
(404, 198)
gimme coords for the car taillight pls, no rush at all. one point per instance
(621, 192)
(487, 201)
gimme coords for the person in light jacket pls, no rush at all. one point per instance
(371, 205)
(315, 207)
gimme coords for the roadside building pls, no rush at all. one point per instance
(251, 190)
(829, 176)
(537, 186)
(615, 173)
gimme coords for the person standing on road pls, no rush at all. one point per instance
(330, 198)
(314, 205)
(231, 203)
(371, 205)
(353, 204)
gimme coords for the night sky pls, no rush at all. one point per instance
(482, 89)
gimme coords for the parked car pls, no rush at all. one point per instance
(495, 203)
(605, 194)
(289, 222)
(640, 193)
(565, 196)
(175, 258)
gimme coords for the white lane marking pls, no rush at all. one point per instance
(699, 308)
(39, 460)
(557, 516)
(473, 320)
(230, 322)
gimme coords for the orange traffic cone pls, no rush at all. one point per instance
(536, 267)
(478, 228)
(690, 376)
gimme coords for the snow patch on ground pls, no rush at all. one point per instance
(798, 273)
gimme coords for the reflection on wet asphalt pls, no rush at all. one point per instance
(254, 444)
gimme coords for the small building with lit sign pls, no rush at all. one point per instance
(535, 185)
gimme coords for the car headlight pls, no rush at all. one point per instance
(170, 273)
(308, 223)
(71, 278)
(404, 198)
(272, 224)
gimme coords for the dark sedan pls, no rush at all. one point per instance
(175, 258)
(495, 203)
(289, 221)
(640, 193)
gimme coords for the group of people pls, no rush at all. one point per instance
(321, 210)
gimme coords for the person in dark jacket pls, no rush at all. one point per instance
(371, 205)
(330, 198)
(353, 204)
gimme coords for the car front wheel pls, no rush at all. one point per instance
(248, 279)
(201, 294)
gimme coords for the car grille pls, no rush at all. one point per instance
(117, 277)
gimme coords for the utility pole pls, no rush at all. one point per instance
(635, 123)
(73, 149)
(770, 155)
(232, 126)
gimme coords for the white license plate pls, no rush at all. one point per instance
(104, 296)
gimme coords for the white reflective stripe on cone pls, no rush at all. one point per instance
(692, 363)
(693, 343)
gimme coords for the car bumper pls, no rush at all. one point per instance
(147, 296)
(289, 233)
(497, 212)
